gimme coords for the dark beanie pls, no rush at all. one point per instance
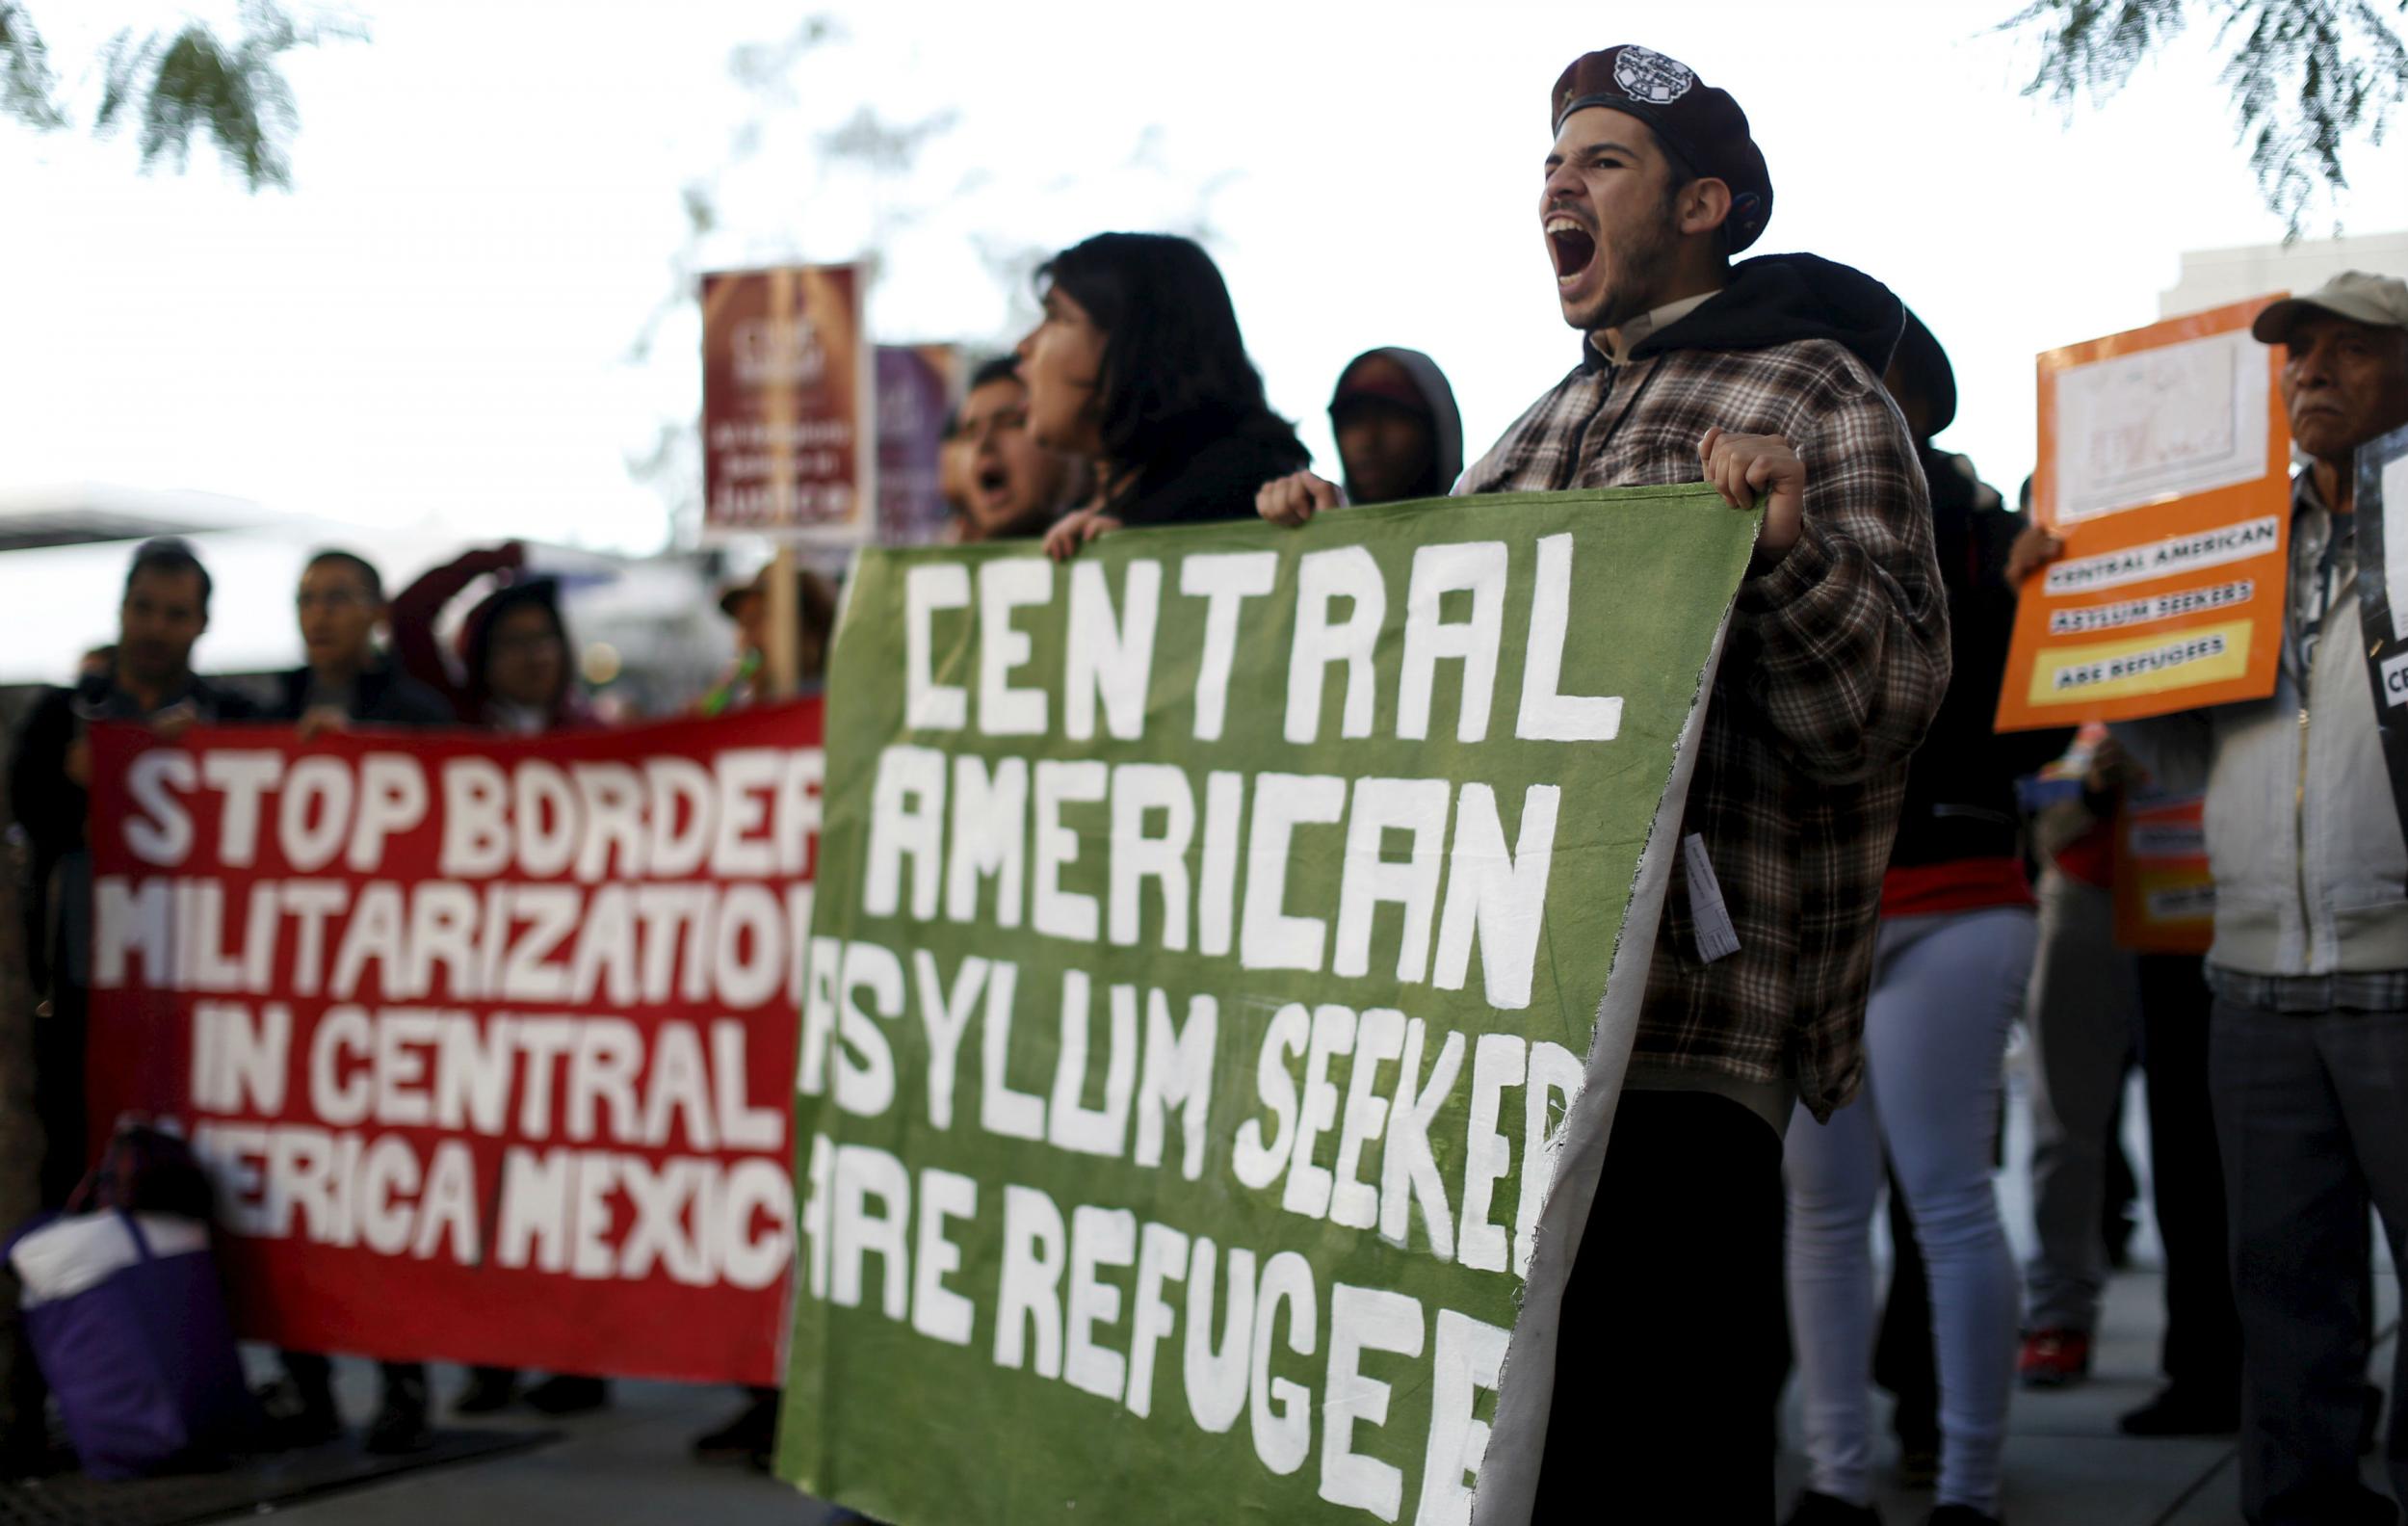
(1701, 126)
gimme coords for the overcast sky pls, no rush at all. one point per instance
(436, 323)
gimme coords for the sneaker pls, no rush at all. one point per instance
(1961, 1516)
(1824, 1509)
(2180, 1412)
(296, 1418)
(2054, 1359)
(569, 1394)
(749, 1437)
(489, 1391)
(400, 1427)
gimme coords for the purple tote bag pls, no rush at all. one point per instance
(129, 1324)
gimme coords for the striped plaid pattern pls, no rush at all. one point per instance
(1835, 663)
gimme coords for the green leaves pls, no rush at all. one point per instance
(25, 71)
(175, 85)
(2304, 75)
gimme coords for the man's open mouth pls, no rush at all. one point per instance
(1572, 247)
(993, 484)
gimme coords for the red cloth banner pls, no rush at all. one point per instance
(488, 1042)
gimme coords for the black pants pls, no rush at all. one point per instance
(313, 1374)
(2201, 1350)
(1666, 1369)
(59, 1093)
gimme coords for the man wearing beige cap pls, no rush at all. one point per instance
(2307, 1050)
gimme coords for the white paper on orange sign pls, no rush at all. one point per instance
(2156, 423)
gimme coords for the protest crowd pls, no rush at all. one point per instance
(1876, 887)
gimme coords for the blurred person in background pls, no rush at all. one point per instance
(747, 604)
(2157, 1004)
(1012, 486)
(512, 671)
(750, 1435)
(512, 676)
(1140, 367)
(1399, 435)
(145, 675)
(148, 678)
(2081, 1017)
(953, 474)
(1954, 955)
(348, 681)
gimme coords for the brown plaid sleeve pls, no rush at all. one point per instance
(1853, 652)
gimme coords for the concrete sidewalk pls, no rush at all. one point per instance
(2066, 1463)
(625, 1466)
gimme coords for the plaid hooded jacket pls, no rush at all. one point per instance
(1835, 663)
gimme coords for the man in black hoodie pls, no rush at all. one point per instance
(1399, 435)
(1763, 378)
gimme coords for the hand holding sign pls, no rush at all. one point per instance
(1297, 497)
(2151, 577)
(2034, 548)
(1741, 468)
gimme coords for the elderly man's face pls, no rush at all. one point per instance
(2343, 384)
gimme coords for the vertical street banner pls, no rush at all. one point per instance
(1228, 949)
(2382, 519)
(788, 401)
(487, 1043)
(2164, 466)
(918, 387)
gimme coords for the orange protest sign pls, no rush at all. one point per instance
(2164, 466)
(2164, 896)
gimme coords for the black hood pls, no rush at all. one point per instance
(1782, 299)
(1445, 420)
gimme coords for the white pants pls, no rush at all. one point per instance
(1946, 987)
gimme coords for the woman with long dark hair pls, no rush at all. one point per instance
(1138, 366)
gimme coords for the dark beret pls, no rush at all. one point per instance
(1923, 368)
(1701, 126)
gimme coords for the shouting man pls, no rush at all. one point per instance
(1765, 379)
(1012, 486)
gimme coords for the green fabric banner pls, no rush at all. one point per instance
(1210, 937)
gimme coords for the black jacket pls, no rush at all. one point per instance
(1216, 479)
(1960, 788)
(51, 808)
(382, 696)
